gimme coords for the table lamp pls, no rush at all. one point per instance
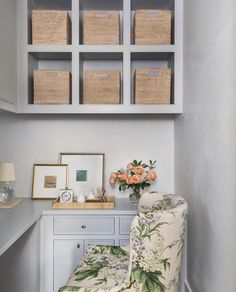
(7, 176)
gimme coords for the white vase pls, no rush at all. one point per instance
(80, 198)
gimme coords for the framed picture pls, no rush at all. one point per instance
(48, 179)
(85, 171)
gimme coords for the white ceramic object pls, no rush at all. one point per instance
(80, 198)
(91, 196)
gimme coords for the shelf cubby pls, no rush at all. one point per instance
(151, 61)
(46, 61)
(46, 5)
(100, 5)
(153, 4)
(100, 61)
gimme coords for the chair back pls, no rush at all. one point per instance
(156, 242)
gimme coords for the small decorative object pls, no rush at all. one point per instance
(90, 196)
(101, 194)
(48, 179)
(7, 176)
(66, 196)
(80, 198)
(85, 171)
(137, 176)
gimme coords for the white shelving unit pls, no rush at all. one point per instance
(77, 56)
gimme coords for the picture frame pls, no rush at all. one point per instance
(48, 179)
(85, 171)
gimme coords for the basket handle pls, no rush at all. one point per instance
(100, 15)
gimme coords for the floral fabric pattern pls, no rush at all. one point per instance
(152, 261)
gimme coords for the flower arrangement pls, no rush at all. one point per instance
(136, 176)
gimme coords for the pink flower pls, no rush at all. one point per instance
(112, 181)
(128, 181)
(139, 170)
(114, 175)
(151, 175)
(123, 176)
(135, 179)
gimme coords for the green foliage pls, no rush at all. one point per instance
(146, 231)
(89, 273)
(150, 280)
(165, 263)
(69, 289)
(101, 281)
(117, 250)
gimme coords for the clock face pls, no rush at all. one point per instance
(66, 196)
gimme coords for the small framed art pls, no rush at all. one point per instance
(48, 179)
(85, 171)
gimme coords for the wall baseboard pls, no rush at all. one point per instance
(187, 286)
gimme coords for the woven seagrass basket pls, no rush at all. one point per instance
(152, 86)
(101, 27)
(152, 27)
(52, 87)
(51, 27)
(101, 87)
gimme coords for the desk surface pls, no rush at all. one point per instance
(15, 222)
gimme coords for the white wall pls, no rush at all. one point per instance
(205, 146)
(29, 139)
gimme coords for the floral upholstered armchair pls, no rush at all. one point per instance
(152, 261)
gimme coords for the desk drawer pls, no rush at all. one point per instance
(84, 225)
(125, 224)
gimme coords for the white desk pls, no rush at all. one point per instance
(15, 222)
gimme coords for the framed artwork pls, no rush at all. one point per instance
(48, 179)
(85, 171)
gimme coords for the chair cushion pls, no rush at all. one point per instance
(102, 268)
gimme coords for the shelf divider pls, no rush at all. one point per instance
(127, 78)
(75, 78)
(75, 23)
(127, 23)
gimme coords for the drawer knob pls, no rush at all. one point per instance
(84, 226)
(78, 245)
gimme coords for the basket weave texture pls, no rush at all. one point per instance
(101, 27)
(152, 27)
(101, 87)
(52, 87)
(51, 27)
(152, 86)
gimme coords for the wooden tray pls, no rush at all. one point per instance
(91, 204)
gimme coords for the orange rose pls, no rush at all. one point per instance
(151, 175)
(119, 176)
(124, 176)
(114, 175)
(128, 181)
(112, 181)
(135, 179)
(139, 170)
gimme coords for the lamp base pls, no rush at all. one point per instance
(6, 193)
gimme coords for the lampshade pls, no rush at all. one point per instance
(7, 172)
